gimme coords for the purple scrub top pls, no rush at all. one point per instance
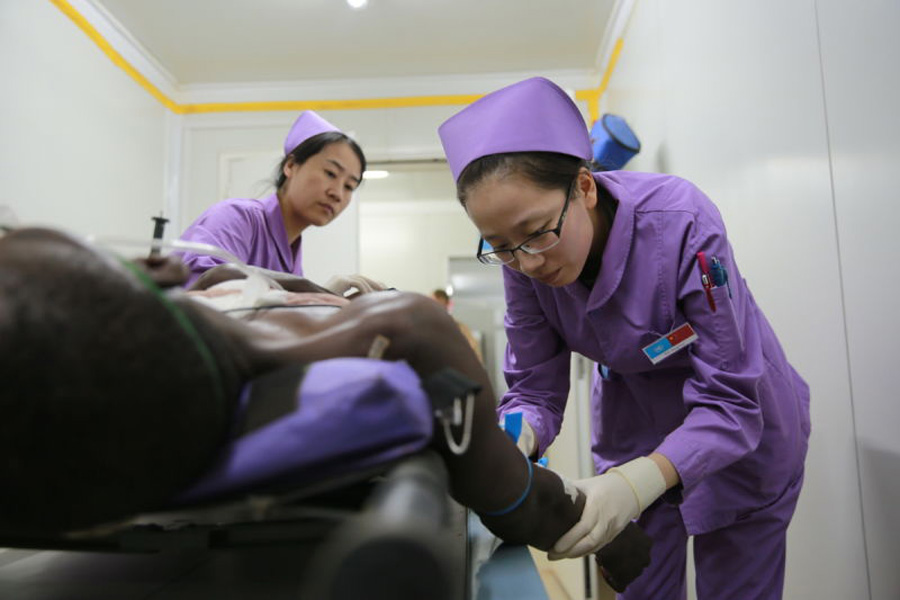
(253, 230)
(729, 411)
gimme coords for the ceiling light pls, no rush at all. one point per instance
(376, 174)
(357, 4)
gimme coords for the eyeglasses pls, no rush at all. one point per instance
(535, 244)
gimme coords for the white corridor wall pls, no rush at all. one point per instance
(784, 112)
(860, 51)
(82, 146)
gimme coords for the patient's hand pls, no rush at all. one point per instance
(351, 286)
(165, 271)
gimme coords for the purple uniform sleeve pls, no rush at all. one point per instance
(225, 225)
(723, 422)
(537, 362)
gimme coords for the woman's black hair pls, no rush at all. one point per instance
(312, 146)
(548, 170)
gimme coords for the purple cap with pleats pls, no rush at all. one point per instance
(307, 125)
(529, 116)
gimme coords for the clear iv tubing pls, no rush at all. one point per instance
(196, 247)
(458, 448)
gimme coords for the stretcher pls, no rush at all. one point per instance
(340, 481)
(331, 495)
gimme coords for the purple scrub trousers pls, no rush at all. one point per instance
(744, 560)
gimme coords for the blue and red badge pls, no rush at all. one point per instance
(670, 343)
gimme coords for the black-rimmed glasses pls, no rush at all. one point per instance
(535, 244)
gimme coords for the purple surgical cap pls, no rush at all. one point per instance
(534, 115)
(306, 126)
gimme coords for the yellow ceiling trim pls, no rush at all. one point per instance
(361, 104)
(611, 66)
(591, 96)
(113, 55)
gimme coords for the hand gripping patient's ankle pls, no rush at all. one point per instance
(553, 506)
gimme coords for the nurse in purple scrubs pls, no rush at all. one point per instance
(321, 168)
(700, 423)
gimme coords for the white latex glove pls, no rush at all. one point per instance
(613, 499)
(351, 285)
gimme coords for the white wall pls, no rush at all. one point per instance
(860, 49)
(730, 95)
(407, 245)
(82, 144)
(410, 224)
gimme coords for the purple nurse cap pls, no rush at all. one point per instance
(307, 125)
(529, 116)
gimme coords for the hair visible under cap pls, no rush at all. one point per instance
(547, 170)
(312, 146)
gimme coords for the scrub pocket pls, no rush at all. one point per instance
(727, 341)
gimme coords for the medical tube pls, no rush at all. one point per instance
(257, 277)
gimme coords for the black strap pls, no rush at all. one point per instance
(272, 396)
(446, 385)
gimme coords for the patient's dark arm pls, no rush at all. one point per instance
(492, 474)
(518, 502)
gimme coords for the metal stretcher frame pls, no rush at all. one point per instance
(379, 539)
(393, 535)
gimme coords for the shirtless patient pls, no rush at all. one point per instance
(117, 394)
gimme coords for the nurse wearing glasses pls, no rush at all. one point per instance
(700, 423)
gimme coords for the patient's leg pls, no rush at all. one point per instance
(492, 474)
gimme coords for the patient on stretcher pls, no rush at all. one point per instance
(117, 394)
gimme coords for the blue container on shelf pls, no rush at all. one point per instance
(613, 142)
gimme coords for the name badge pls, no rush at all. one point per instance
(670, 343)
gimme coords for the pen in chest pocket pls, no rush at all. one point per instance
(719, 274)
(706, 279)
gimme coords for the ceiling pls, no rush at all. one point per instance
(231, 42)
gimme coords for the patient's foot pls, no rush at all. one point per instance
(622, 560)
